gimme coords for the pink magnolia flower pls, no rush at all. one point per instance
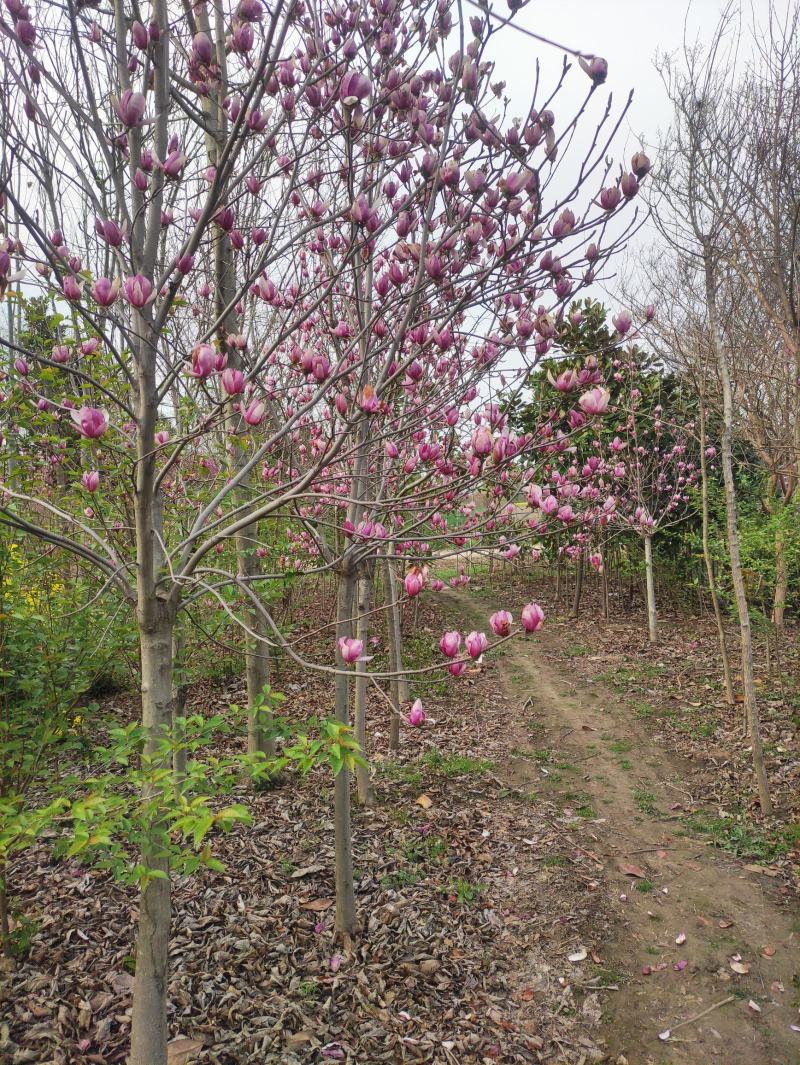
(105, 292)
(204, 361)
(71, 288)
(60, 353)
(595, 401)
(481, 441)
(450, 644)
(354, 88)
(137, 290)
(90, 421)
(413, 583)
(130, 108)
(532, 617)
(233, 381)
(501, 623)
(565, 382)
(416, 715)
(437, 585)
(350, 649)
(255, 412)
(476, 643)
(91, 481)
(369, 401)
(455, 669)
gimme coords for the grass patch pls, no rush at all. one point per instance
(554, 861)
(466, 893)
(743, 840)
(457, 765)
(645, 886)
(621, 746)
(577, 652)
(402, 773)
(645, 801)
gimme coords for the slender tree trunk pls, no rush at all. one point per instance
(781, 579)
(365, 594)
(399, 683)
(576, 601)
(709, 562)
(742, 605)
(149, 1023)
(179, 688)
(248, 564)
(5, 924)
(604, 585)
(652, 616)
(345, 892)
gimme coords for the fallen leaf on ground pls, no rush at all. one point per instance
(740, 967)
(768, 952)
(632, 870)
(179, 1050)
(424, 802)
(580, 955)
(754, 1006)
(317, 905)
(680, 939)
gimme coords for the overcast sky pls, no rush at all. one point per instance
(628, 34)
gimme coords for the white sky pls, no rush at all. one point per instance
(627, 34)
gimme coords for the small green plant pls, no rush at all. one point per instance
(466, 893)
(620, 746)
(308, 989)
(457, 765)
(402, 878)
(645, 801)
(645, 886)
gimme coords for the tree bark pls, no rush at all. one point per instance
(712, 582)
(781, 579)
(345, 891)
(179, 686)
(576, 600)
(365, 593)
(248, 565)
(742, 605)
(149, 1022)
(652, 616)
(399, 683)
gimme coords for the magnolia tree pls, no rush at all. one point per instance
(652, 468)
(297, 256)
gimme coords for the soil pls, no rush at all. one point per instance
(662, 883)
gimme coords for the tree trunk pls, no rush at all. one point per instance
(781, 579)
(345, 892)
(149, 1023)
(709, 562)
(5, 924)
(652, 616)
(576, 601)
(365, 593)
(399, 683)
(179, 687)
(247, 562)
(743, 608)
(256, 657)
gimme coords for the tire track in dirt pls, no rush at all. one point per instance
(625, 785)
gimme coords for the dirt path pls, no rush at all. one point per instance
(604, 767)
